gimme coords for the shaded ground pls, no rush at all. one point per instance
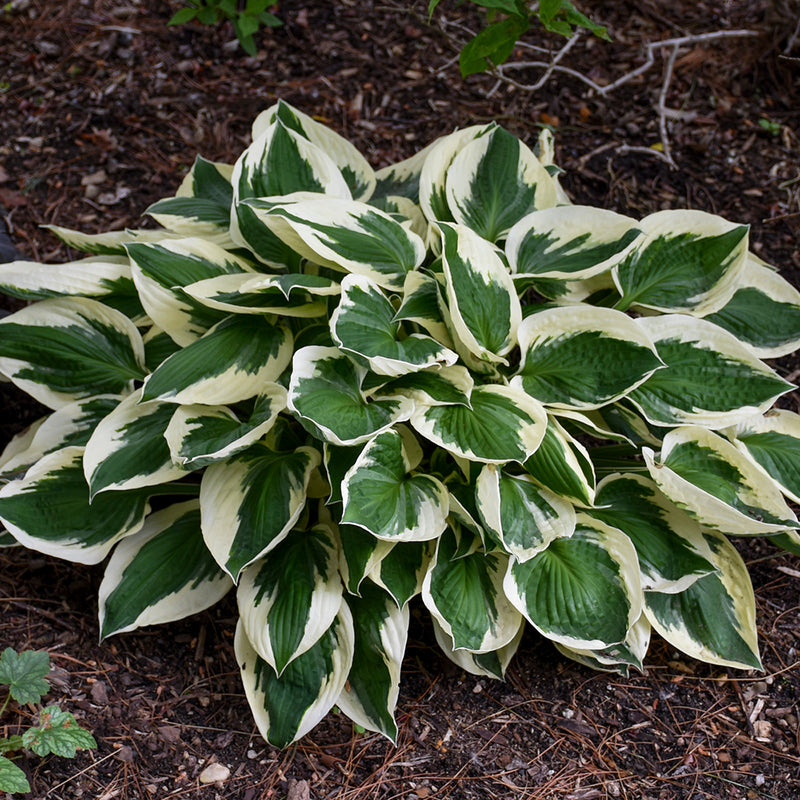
(102, 109)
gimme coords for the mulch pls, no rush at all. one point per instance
(102, 110)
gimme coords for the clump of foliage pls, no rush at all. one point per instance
(57, 732)
(247, 17)
(508, 20)
(338, 390)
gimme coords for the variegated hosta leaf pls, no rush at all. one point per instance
(687, 261)
(464, 593)
(402, 569)
(161, 270)
(582, 591)
(490, 665)
(711, 379)
(345, 235)
(325, 392)
(422, 304)
(562, 465)
(373, 684)
(764, 312)
(202, 204)
(402, 178)
(772, 442)
(70, 426)
(617, 657)
(524, 517)
(61, 350)
(199, 435)
(356, 171)
(583, 357)
(90, 277)
(231, 362)
(714, 619)
(363, 324)
(251, 501)
(361, 555)
(433, 176)
(672, 551)
(382, 497)
(717, 484)
(501, 424)
(546, 153)
(158, 347)
(288, 706)
(494, 181)
(109, 243)
(161, 573)
(434, 387)
(291, 295)
(568, 243)
(482, 301)
(48, 510)
(127, 449)
(288, 599)
(7, 540)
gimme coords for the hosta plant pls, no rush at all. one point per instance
(334, 390)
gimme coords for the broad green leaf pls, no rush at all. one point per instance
(772, 442)
(764, 312)
(231, 362)
(714, 619)
(579, 357)
(292, 295)
(58, 733)
(422, 304)
(617, 657)
(61, 350)
(436, 386)
(492, 45)
(251, 501)
(495, 181)
(465, 596)
(71, 425)
(90, 277)
(711, 379)
(483, 303)
(401, 570)
(345, 235)
(717, 484)
(361, 555)
(686, 261)
(501, 424)
(162, 573)
(199, 435)
(325, 392)
(162, 270)
(288, 706)
(562, 465)
(209, 180)
(381, 628)
(356, 171)
(582, 591)
(364, 324)
(49, 510)
(568, 243)
(25, 674)
(382, 496)
(490, 665)
(672, 551)
(524, 517)
(288, 599)
(433, 176)
(12, 778)
(127, 449)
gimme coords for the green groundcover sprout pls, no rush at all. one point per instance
(56, 731)
(337, 389)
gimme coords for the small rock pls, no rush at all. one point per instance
(298, 790)
(214, 773)
(125, 754)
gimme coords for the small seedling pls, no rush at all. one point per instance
(56, 731)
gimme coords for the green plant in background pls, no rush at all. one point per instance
(339, 389)
(57, 732)
(508, 20)
(247, 18)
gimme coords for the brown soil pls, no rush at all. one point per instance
(102, 109)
